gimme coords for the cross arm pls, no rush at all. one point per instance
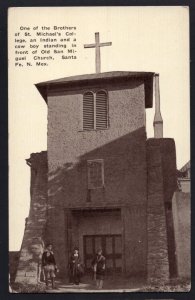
(89, 46)
(105, 44)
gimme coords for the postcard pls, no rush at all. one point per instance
(99, 149)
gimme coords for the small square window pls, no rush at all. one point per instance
(95, 173)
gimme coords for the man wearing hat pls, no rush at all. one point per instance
(49, 265)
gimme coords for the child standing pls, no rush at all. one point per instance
(99, 266)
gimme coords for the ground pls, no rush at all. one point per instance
(88, 285)
(115, 284)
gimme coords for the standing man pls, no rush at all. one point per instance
(99, 266)
(49, 265)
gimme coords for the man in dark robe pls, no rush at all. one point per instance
(74, 267)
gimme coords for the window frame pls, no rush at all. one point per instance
(89, 184)
(91, 92)
(94, 92)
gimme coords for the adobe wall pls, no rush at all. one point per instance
(122, 146)
(161, 159)
(13, 264)
(185, 184)
(66, 140)
(124, 175)
(181, 208)
(134, 219)
(34, 233)
(169, 187)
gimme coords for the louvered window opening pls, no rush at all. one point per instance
(88, 111)
(95, 111)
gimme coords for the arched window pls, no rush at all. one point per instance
(95, 110)
(101, 110)
(88, 111)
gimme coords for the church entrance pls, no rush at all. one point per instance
(91, 229)
(111, 246)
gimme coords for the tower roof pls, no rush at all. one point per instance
(97, 78)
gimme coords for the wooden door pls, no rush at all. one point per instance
(111, 246)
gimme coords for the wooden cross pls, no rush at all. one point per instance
(97, 46)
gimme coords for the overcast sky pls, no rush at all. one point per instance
(152, 39)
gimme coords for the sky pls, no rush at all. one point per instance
(153, 39)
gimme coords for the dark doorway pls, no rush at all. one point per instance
(111, 246)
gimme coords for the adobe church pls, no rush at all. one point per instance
(102, 183)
